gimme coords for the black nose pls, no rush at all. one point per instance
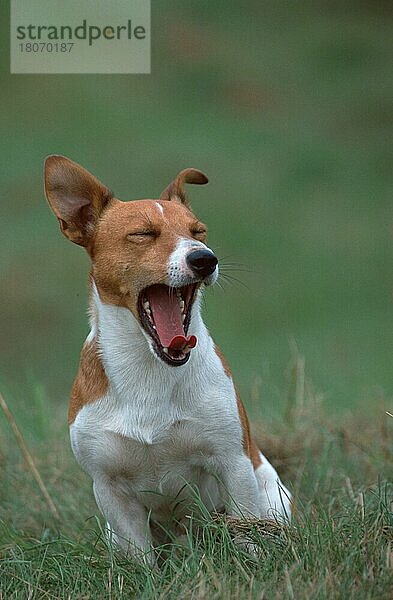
(202, 262)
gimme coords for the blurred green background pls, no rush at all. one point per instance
(287, 106)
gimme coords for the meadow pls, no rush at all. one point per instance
(287, 108)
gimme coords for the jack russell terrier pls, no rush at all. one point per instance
(154, 413)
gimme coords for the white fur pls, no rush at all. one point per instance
(275, 499)
(160, 208)
(162, 435)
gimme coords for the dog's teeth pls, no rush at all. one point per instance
(165, 350)
(146, 305)
(183, 318)
(181, 302)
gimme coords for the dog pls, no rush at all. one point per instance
(154, 414)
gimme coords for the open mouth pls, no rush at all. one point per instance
(165, 314)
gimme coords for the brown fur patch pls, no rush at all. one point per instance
(250, 447)
(132, 244)
(90, 383)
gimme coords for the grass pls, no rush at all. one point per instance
(339, 545)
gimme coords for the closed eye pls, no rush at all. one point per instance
(144, 233)
(199, 233)
(198, 229)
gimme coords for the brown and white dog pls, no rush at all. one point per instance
(154, 413)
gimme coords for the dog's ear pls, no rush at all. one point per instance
(175, 190)
(76, 197)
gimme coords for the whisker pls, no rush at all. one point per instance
(226, 268)
(231, 279)
(230, 258)
(232, 265)
(219, 284)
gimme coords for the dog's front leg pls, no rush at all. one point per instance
(240, 488)
(126, 518)
(241, 497)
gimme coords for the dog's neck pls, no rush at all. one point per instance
(125, 348)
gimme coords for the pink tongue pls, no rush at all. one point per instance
(167, 317)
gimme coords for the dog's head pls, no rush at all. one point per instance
(148, 256)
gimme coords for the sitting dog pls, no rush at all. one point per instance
(154, 414)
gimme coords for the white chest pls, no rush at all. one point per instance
(157, 427)
(156, 438)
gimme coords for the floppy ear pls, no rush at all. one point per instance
(76, 197)
(176, 191)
